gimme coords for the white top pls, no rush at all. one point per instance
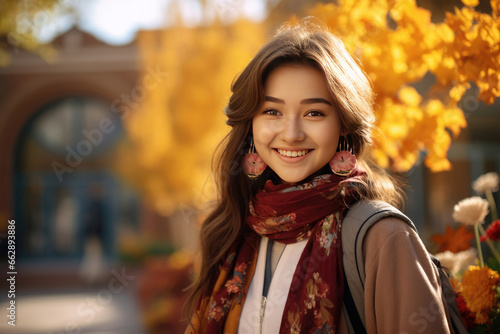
(278, 289)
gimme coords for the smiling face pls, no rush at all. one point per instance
(297, 129)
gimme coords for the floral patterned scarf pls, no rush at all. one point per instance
(288, 213)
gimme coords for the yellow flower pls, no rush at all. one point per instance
(482, 317)
(478, 292)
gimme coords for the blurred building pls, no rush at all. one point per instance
(61, 127)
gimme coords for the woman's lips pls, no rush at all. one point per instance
(292, 153)
(291, 156)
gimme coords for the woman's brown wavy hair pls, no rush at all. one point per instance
(306, 43)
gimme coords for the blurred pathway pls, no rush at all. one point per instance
(94, 311)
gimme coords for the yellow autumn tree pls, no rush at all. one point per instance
(397, 45)
(179, 123)
(175, 129)
(21, 23)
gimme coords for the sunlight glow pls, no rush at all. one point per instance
(116, 22)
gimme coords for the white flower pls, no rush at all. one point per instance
(471, 210)
(486, 182)
(456, 263)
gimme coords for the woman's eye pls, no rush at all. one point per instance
(272, 112)
(315, 113)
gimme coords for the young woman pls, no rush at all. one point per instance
(294, 162)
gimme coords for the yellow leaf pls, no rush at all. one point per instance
(458, 91)
(470, 3)
(410, 96)
(460, 50)
(495, 6)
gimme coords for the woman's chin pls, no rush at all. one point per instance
(293, 178)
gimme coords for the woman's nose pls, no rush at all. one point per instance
(292, 130)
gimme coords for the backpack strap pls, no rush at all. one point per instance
(356, 223)
(354, 323)
(450, 299)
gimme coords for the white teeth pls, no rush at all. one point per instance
(293, 153)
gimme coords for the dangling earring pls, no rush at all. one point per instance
(253, 165)
(344, 161)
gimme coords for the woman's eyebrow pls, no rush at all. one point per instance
(274, 99)
(312, 100)
(315, 100)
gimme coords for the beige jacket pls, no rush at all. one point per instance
(402, 287)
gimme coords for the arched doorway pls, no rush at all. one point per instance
(65, 189)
